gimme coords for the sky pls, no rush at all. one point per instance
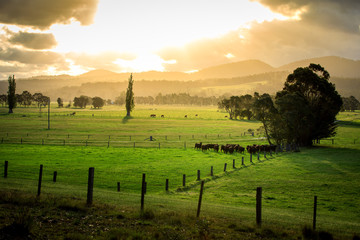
(42, 37)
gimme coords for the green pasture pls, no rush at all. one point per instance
(289, 180)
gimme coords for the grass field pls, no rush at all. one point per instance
(289, 180)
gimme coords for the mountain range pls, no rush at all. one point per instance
(230, 79)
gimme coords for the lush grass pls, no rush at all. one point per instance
(289, 180)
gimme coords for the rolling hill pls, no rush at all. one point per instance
(231, 79)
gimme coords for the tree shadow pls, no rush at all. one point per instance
(126, 119)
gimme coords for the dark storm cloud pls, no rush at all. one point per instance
(342, 15)
(43, 13)
(38, 41)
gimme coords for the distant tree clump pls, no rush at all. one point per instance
(41, 100)
(82, 101)
(120, 100)
(11, 93)
(26, 98)
(130, 97)
(60, 102)
(3, 99)
(238, 106)
(350, 104)
(98, 102)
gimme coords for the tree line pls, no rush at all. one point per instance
(303, 111)
(25, 99)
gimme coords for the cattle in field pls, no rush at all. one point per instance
(216, 147)
(196, 115)
(198, 145)
(153, 115)
(204, 147)
(185, 116)
(162, 116)
(72, 114)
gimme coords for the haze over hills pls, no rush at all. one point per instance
(336, 66)
(232, 79)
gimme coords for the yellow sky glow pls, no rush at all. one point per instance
(141, 28)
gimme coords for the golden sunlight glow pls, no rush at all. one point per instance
(143, 27)
(229, 55)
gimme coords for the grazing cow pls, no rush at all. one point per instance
(153, 115)
(198, 145)
(196, 115)
(204, 147)
(216, 147)
(162, 116)
(185, 116)
(226, 116)
(72, 114)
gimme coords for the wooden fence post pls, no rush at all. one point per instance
(242, 160)
(212, 171)
(251, 157)
(184, 180)
(42, 142)
(90, 186)
(314, 216)
(55, 175)
(40, 179)
(134, 144)
(6, 169)
(142, 192)
(200, 199)
(167, 185)
(198, 175)
(179, 137)
(118, 186)
(258, 205)
(225, 167)
(258, 156)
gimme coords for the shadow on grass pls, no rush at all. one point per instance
(126, 119)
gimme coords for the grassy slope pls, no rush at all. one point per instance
(289, 181)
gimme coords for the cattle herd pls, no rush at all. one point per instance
(231, 148)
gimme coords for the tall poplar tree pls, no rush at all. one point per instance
(11, 94)
(130, 97)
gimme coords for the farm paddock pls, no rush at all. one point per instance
(289, 180)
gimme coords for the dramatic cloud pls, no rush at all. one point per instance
(42, 14)
(38, 41)
(343, 15)
(30, 57)
(276, 43)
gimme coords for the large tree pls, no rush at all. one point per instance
(130, 97)
(265, 112)
(308, 105)
(98, 102)
(11, 94)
